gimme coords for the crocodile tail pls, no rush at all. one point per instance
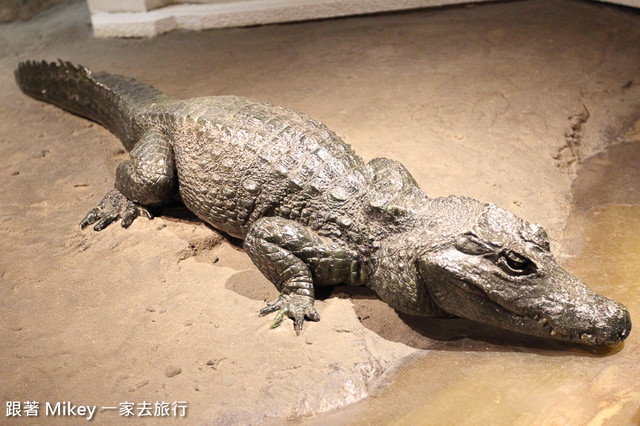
(108, 99)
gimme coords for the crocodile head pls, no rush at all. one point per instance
(500, 271)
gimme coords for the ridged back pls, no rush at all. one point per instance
(108, 99)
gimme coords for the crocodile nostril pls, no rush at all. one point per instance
(624, 326)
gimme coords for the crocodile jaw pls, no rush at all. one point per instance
(552, 304)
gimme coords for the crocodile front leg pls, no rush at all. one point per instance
(293, 257)
(147, 179)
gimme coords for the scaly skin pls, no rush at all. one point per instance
(312, 213)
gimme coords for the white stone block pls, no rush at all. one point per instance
(237, 13)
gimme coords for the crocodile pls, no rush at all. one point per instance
(313, 213)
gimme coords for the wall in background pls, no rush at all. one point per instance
(147, 18)
(17, 10)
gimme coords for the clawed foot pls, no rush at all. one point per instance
(113, 206)
(295, 306)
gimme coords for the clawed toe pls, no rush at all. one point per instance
(296, 307)
(90, 218)
(269, 309)
(105, 220)
(312, 315)
(113, 206)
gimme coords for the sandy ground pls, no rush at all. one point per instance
(500, 102)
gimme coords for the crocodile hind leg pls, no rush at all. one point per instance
(147, 179)
(113, 206)
(293, 257)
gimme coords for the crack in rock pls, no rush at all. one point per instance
(569, 153)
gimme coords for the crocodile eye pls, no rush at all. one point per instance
(515, 263)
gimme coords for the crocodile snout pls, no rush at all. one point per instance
(619, 326)
(593, 320)
(579, 314)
